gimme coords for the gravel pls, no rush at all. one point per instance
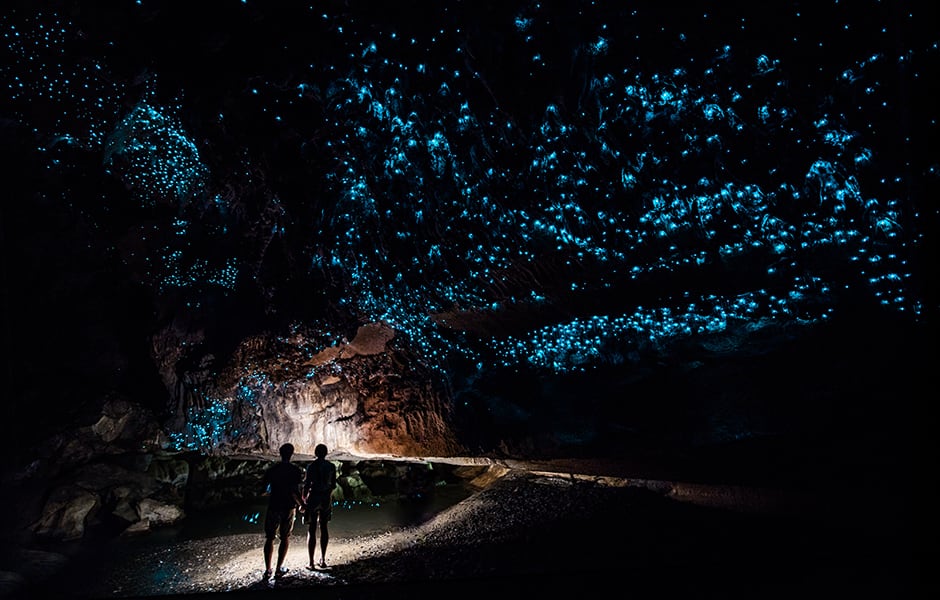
(533, 532)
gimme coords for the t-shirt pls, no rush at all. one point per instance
(285, 479)
(320, 477)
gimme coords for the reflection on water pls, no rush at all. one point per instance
(349, 519)
(165, 559)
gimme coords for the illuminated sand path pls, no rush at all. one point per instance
(515, 528)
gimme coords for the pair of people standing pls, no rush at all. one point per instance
(290, 489)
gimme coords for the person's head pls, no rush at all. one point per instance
(320, 451)
(287, 451)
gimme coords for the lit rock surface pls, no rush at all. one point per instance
(695, 244)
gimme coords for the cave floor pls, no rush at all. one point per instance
(555, 527)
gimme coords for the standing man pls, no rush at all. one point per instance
(282, 483)
(320, 480)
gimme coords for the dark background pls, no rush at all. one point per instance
(90, 220)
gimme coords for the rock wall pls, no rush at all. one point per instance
(131, 469)
(366, 397)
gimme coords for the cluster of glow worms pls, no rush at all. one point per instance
(435, 199)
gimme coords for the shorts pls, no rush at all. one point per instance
(319, 505)
(279, 523)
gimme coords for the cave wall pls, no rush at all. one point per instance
(364, 397)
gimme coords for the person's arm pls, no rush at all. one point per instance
(298, 492)
(266, 483)
(305, 487)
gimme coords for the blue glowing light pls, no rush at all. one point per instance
(433, 194)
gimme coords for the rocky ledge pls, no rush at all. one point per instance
(549, 529)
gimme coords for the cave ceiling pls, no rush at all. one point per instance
(556, 189)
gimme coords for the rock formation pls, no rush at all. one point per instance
(367, 397)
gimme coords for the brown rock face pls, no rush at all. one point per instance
(366, 397)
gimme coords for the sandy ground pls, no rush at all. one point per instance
(532, 531)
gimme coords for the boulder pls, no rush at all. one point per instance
(158, 513)
(171, 471)
(12, 584)
(66, 512)
(354, 489)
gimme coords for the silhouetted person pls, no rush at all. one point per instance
(282, 482)
(319, 482)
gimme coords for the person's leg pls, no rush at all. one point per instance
(324, 540)
(282, 551)
(268, 554)
(325, 515)
(312, 542)
(287, 526)
(270, 532)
